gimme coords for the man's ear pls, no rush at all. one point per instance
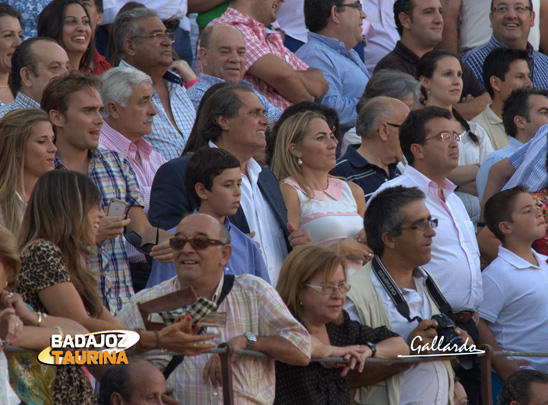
(417, 151)
(226, 252)
(334, 14)
(202, 53)
(405, 20)
(495, 83)
(25, 77)
(388, 240)
(200, 191)
(505, 227)
(519, 121)
(223, 122)
(116, 398)
(129, 47)
(383, 131)
(57, 118)
(113, 109)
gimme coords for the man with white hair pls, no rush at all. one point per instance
(128, 112)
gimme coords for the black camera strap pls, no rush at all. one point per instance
(395, 295)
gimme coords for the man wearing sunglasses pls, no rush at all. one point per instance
(335, 28)
(143, 42)
(430, 146)
(401, 230)
(253, 316)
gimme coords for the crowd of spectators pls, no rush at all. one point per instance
(319, 178)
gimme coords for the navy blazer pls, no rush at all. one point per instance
(170, 200)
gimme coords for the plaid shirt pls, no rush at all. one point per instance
(538, 62)
(115, 178)
(21, 101)
(165, 139)
(251, 306)
(260, 41)
(197, 91)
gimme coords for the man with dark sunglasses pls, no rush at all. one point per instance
(252, 315)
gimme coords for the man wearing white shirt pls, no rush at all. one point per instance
(430, 146)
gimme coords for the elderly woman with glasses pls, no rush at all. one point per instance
(440, 73)
(313, 285)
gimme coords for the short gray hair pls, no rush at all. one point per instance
(391, 83)
(118, 83)
(372, 113)
(125, 26)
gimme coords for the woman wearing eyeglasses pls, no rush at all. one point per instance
(331, 209)
(440, 73)
(313, 285)
(68, 22)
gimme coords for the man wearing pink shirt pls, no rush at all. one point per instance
(128, 111)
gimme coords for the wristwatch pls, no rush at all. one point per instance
(372, 347)
(251, 340)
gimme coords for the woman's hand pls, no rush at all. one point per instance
(353, 249)
(353, 355)
(11, 326)
(13, 300)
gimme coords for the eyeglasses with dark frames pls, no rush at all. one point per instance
(329, 289)
(503, 9)
(157, 36)
(198, 242)
(422, 226)
(445, 136)
(357, 5)
(393, 125)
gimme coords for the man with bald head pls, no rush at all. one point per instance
(34, 63)
(375, 161)
(223, 52)
(252, 313)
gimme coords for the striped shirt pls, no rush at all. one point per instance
(21, 101)
(167, 140)
(260, 41)
(538, 62)
(115, 178)
(530, 163)
(251, 306)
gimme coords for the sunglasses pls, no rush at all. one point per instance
(199, 242)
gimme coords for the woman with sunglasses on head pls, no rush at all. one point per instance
(313, 285)
(440, 73)
(28, 151)
(68, 22)
(331, 209)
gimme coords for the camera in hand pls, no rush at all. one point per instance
(446, 330)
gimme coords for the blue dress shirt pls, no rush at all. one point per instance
(343, 70)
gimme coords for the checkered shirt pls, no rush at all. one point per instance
(251, 306)
(21, 101)
(260, 41)
(165, 139)
(538, 62)
(115, 178)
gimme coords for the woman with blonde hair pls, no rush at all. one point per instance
(331, 209)
(28, 151)
(313, 285)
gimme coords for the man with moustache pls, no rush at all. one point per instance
(129, 112)
(430, 146)
(271, 68)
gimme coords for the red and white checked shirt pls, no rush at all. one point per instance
(260, 41)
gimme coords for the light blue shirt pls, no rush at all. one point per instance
(165, 139)
(530, 163)
(343, 70)
(246, 258)
(196, 92)
(492, 158)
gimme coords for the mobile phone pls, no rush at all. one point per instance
(117, 208)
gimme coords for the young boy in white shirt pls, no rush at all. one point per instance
(513, 314)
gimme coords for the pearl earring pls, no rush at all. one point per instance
(299, 162)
